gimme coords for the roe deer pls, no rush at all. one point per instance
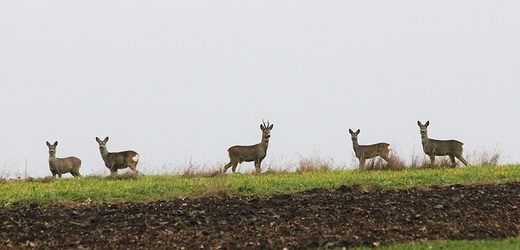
(59, 166)
(364, 152)
(432, 147)
(256, 153)
(118, 160)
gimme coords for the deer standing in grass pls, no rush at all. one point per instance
(59, 166)
(118, 160)
(256, 153)
(432, 147)
(364, 152)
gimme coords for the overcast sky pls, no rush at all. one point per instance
(182, 81)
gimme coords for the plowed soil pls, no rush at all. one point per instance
(347, 216)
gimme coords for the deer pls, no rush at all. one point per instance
(238, 154)
(59, 166)
(364, 152)
(432, 148)
(117, 160)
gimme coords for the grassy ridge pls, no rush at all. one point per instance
(506, 244)
(88, 190)
(163, 187)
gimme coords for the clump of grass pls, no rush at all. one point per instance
(217, 187)
(278, 166)
(374, 164)
(47, 179)
(422, 161)
(315, 163)
(394, 163)
(425, 162)
(273, 170)
(3, 180)
(196, 171)
(128, 175)
(485, 158)
(490, 160)
(93, 176)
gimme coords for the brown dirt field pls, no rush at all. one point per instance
(348, 216)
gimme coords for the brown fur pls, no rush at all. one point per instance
(364, 152)
(117, 160)
(256, 153)
(431, 147)
(59, 166)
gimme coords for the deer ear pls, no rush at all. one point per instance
(262, 127)
(271, 127)
(419, 123)
(350, 131)
(357, 132)
(106, 139)
(427, 123)
(48, 144)
(55, 143)
(98, 140)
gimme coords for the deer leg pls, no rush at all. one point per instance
(432, 159)
(384, 157)
(453, 163)
(113, 171)
(234, 168)
(362, 163)
(112, 168)
(257, 166)
(462, 160)
(227, 166)
(133, 168)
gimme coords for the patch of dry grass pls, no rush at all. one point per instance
(394, 163)
(278, 166)
(425, 162)
(128, 175)
(273, 170)
(418, 160)
(315, 163)
(483, 158)
(3, 180)
(201, 171)
(217, 187)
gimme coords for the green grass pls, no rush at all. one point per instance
(508, 244)
(163, 187)
(103, 190)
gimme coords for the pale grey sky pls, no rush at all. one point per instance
(181, 81)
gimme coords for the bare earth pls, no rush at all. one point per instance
(348, 216)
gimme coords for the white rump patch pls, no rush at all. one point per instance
(389, 147)
(136, 158)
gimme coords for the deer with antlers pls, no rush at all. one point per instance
(256, 153)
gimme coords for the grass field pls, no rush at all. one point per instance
(162, 187)
(509, 244)
(104, 190)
